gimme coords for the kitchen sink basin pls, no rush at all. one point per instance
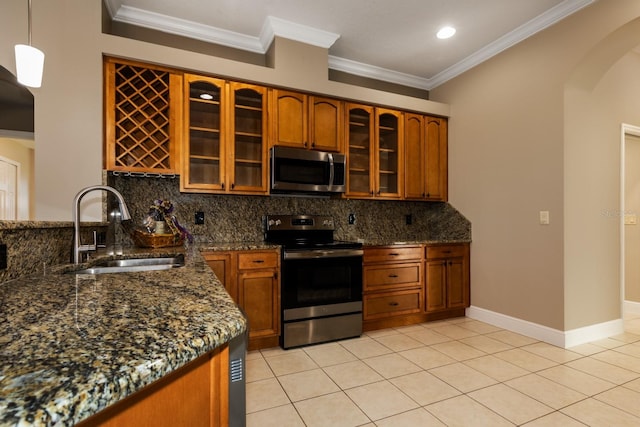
(132, 265)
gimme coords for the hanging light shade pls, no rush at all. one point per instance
(29, 65)
(29, 61)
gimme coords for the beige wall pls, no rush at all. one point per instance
(68, 107)
(523, 140)
(632, 208)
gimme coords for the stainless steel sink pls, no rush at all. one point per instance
(133, 265)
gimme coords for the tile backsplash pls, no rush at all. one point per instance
(33, 247)
(234, 218)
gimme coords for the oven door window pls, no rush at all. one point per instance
(310, 282)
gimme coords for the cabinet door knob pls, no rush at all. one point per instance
(232, 185)
(222, 185)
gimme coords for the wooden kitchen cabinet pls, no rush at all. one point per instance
(252, 278)
(392, 286)
(225, 137)
(375, 152)
(205, 152)
(194, 395)
(447, 277)
(306, 121)
(425, 158)
(223, 266)
(248, 167)
(143, 118)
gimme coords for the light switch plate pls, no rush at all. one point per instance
(544, 217)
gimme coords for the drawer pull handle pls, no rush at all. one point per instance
(446, 252)
(394, 254)
(258, 261)
(394, 304)
(393, 276)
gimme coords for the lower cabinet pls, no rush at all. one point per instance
(404, 285)
(252, 280)
(447, 277)
(392, 285)
(195, 395)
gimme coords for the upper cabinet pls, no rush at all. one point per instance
(389, 152)
(437, 158)
(426, 158)
(216, 133)
(225, 149)
(375, 150)
(306, 121)
(360, 148)
(247, 138)
(143, 118)
(204, 155)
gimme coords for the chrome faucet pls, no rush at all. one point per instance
(78, 247)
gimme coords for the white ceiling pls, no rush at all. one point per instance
(393, 41)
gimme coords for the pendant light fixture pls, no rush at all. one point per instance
(29, 61)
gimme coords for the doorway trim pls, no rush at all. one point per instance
(625, 129)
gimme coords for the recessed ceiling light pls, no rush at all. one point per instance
(206, 96)
(445, 32)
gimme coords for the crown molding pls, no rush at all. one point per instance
(290, 30)
(378, 73)
(278, 27)
(272, 27)
(190, 29)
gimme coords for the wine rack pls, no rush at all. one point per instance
(140, 117)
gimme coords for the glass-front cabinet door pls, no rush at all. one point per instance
(204, 156)
(389, 134)
(248, 151)
(360, 143)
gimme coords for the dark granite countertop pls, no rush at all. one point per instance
(71, 345)
(375, 242)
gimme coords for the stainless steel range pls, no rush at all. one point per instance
(321, 280)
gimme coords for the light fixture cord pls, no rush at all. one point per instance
(29, 22)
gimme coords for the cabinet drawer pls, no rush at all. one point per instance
(446, 251)
(385, 304)
(258, 259)
(372, 255)
(391, 276)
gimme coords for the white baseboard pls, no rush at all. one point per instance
(631, 307)
(549, 335)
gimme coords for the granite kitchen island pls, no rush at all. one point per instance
(72, 345)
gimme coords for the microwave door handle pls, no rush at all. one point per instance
(331, 170)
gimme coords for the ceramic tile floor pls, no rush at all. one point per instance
(459, 372)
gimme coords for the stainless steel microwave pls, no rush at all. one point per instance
(297, 170)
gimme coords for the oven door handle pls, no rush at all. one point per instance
(323, 253)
